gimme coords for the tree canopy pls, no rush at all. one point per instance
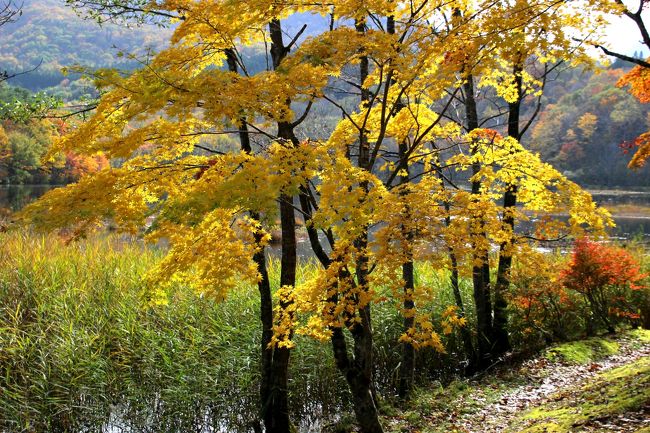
(407, 174)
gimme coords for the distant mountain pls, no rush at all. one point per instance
(583, 124)
(583, 121)
(52, 34)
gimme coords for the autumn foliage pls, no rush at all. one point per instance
(541, 306)
(380, 184)
(77, 165)
(638, 80)
(556, 297)
(606, 276)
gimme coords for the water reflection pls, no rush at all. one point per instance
(616, 197)
(15, 197)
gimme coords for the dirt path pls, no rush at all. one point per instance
(543, 381)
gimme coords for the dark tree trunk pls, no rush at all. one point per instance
(501, 339)
(357, 372)
(481, 265)
(407, 365)
(264, 287)
(277, 410)
(465, 333)
(500, 324)
(266, 316)
(358, 369)
(280, 422)
(358, 375)
(360, 378)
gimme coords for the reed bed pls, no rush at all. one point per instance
(82, 349)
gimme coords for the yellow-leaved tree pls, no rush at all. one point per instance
(397, 180)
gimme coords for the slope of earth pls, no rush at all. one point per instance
(595, 385)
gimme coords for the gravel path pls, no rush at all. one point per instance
(544, 380)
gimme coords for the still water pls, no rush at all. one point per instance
(15, 197)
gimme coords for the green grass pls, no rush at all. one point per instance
(618, 391)
(78, 337)
(582, 352)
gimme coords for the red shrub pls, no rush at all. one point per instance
(606, 276)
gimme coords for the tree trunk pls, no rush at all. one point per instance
(358, 375)
(277, 411)
(360, 379)
(280, 367)
(358, 371)
(407, 366)
(263, 286)
(481, 264)
(501, 339)
(465, 334)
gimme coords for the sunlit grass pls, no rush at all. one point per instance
(81, 345)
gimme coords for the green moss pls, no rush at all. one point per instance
(614, 392)
(413, 418)
(642, 335)
(582, 352)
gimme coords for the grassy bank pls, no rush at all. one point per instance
(598, 384)
(82, 347)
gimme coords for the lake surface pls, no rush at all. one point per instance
(15, 197)
(628, 225)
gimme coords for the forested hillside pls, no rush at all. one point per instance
(583, 122)
(585, 126)
(51, 34)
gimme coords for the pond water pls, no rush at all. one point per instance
(621, 197)
(15, 197)
(628, 226)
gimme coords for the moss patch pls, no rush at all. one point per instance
(583, 352)
(642, 335)
(620, 390)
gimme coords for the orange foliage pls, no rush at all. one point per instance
(643, 151)
(639, 81)
(77, 165)
(604, 275)
(597, 265)
(540, 305)
(487, 134)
